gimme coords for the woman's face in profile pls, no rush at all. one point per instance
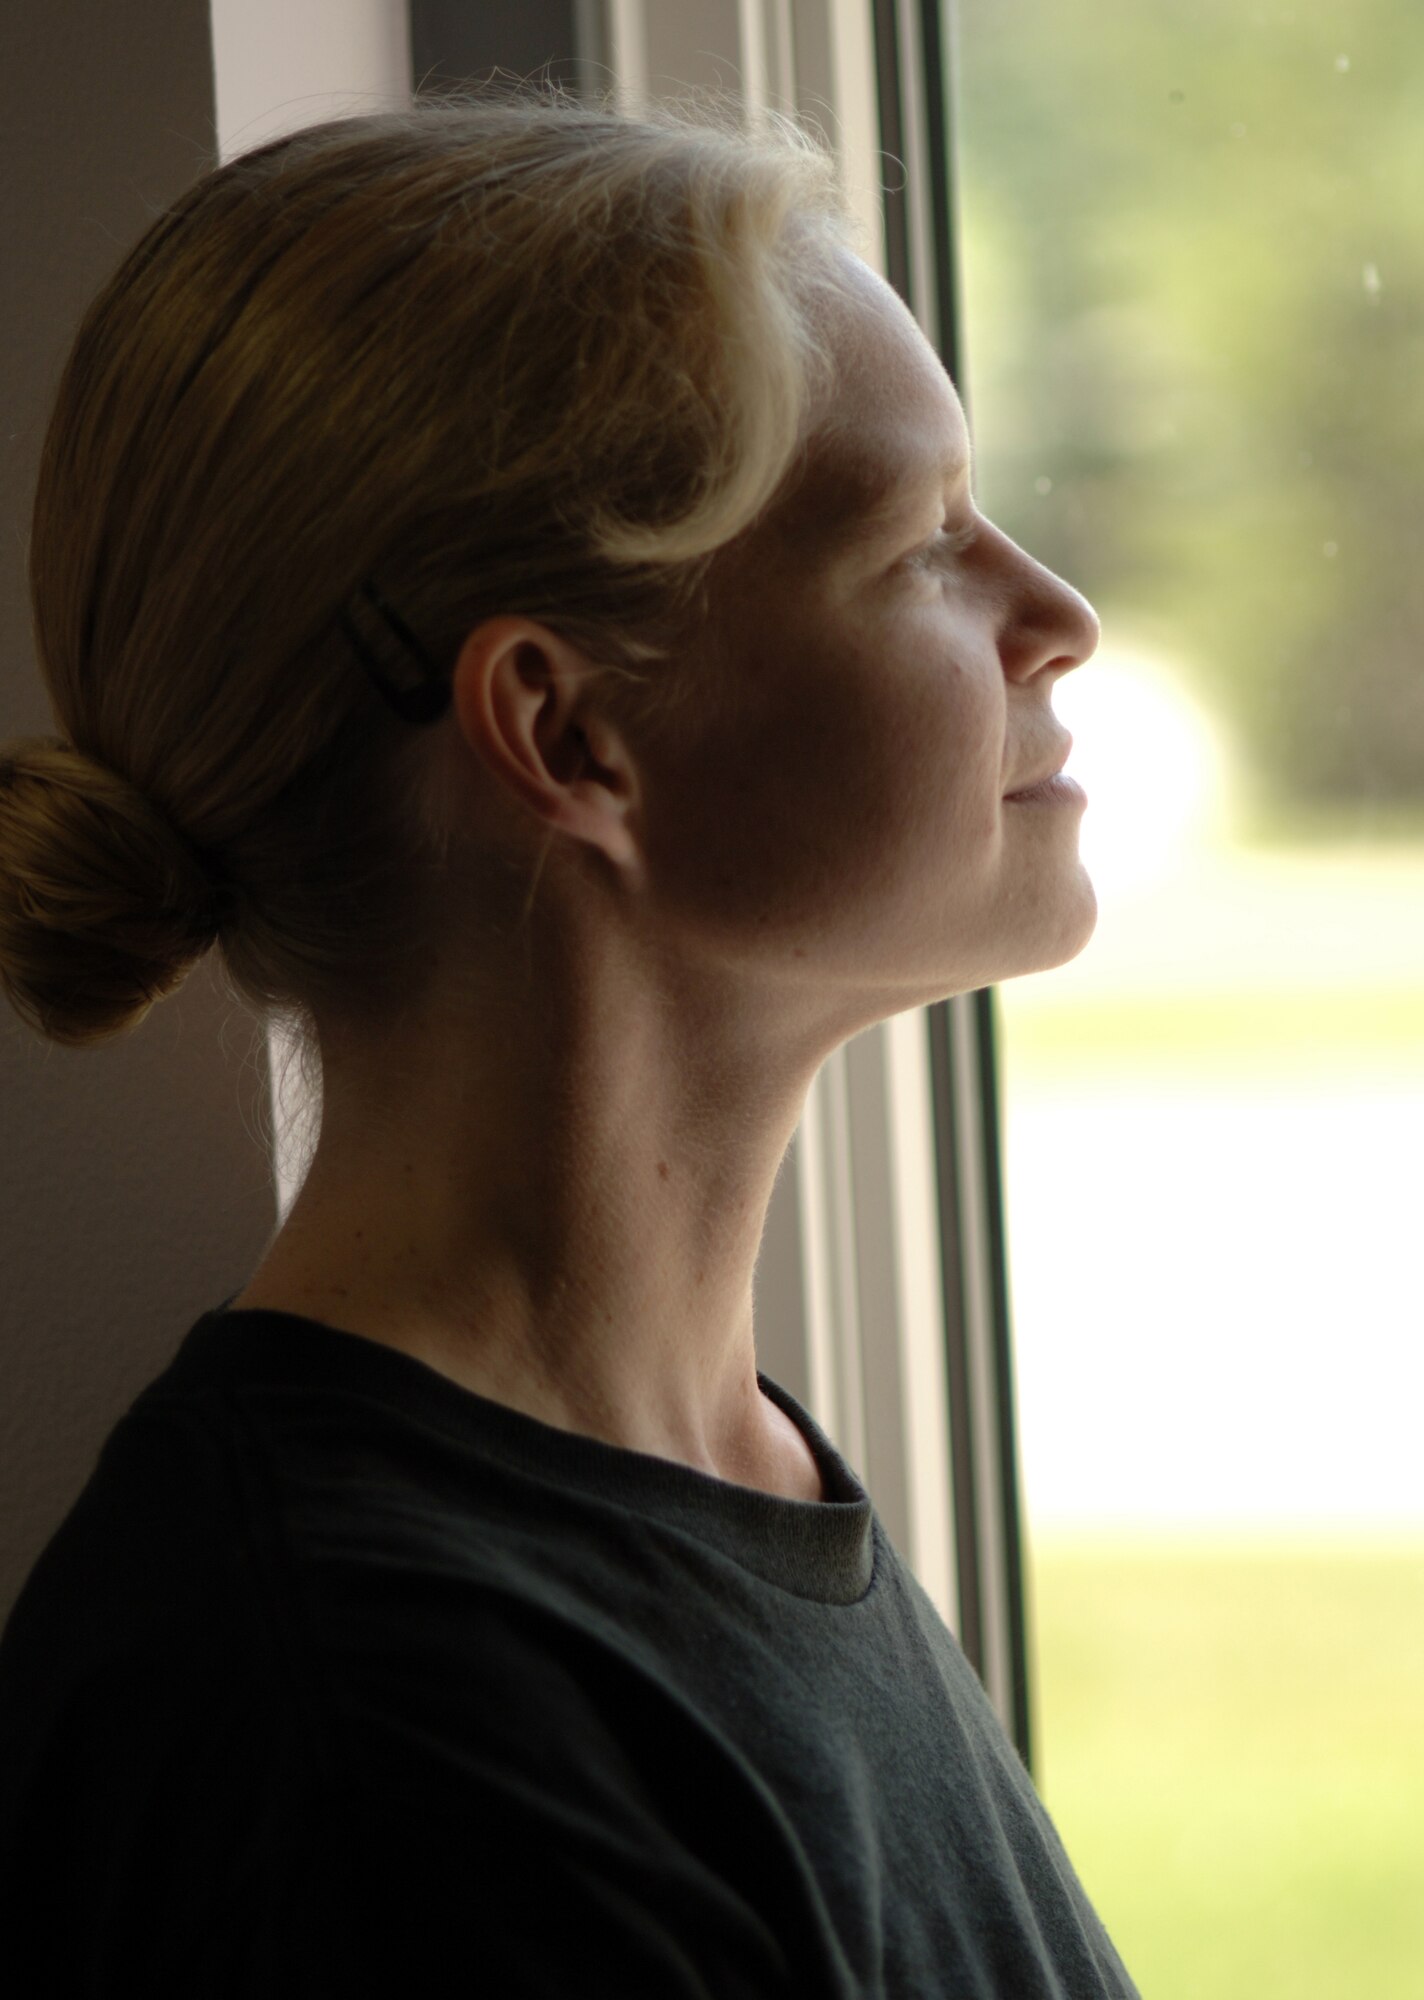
(887, 658)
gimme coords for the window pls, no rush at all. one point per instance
(1192, 290)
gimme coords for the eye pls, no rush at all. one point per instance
(947, 544)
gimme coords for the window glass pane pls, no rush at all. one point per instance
(1194, 317)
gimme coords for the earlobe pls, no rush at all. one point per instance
(604, 769)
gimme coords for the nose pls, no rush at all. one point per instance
(1049, 627)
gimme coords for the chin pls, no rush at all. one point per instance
(1062, 932)
(1079, 934)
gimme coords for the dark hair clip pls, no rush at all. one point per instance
(429, 698)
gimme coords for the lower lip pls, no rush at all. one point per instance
(1059, 791)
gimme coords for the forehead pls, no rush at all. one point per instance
(890, 438)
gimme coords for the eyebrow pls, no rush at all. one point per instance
(880, 507)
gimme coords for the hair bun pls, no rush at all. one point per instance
(104, 907)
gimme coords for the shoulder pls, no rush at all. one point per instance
(146, 1542)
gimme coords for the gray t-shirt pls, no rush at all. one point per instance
(341, 1680)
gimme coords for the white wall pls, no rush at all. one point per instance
(281, 64)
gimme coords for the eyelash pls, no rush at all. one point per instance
(945, 547)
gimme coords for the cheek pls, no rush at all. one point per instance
(766, 820)
(933, 759)
(832, 792)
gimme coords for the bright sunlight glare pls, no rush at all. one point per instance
(1154, 766)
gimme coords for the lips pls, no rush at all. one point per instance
(1046, 771)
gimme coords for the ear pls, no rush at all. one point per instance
(519, 702)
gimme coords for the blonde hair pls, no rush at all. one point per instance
(511, 353)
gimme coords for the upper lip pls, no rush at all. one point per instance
(1060, 758)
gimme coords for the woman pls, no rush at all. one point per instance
(507, 574)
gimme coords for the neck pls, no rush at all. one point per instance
(570, 1229)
